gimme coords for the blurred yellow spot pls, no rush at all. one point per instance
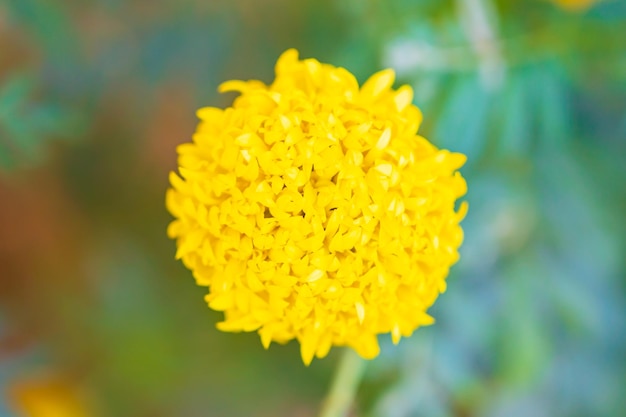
(48, 397)
(575, 5)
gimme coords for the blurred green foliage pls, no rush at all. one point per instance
(27, 126)
(535, 95)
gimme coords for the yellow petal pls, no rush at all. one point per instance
(378, 83)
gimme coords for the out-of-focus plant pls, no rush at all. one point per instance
(27, 125)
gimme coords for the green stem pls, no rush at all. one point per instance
(344, 386)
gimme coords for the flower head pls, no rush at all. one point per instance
(313, 211)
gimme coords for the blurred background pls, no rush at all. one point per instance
(98, 319)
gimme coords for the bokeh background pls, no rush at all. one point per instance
(98, 319)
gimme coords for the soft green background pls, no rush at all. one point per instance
(95, 95)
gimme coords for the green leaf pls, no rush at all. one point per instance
(13, 94)
(26, 126)
(515, 116)
(461, 125)
(50, 23)
(553, 113)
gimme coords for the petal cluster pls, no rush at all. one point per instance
(312, 210)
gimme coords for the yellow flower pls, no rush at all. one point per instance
(313, 211)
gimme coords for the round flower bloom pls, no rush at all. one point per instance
(313, 211)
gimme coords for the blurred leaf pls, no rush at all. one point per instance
(50, 23)
(13, 94)
(554, 116)
(26, 127)
(461, 125)
(427, 88)
(515, 116)
(137, 333)
(523, 340)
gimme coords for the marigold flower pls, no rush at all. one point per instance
(313, 211)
